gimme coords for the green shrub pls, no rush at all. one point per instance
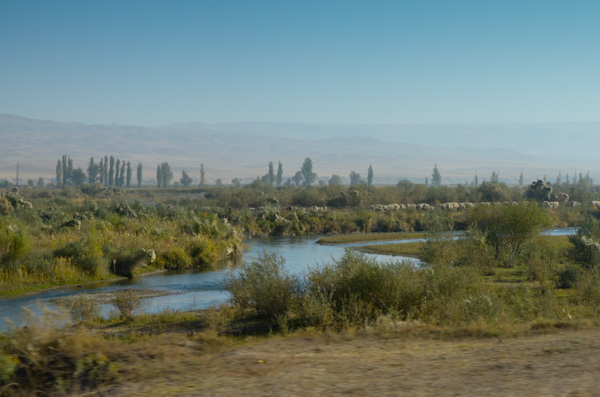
(86, 255)
(359, 289)
(567, 277)
(587, 288)
(264, 286)
(174, 258)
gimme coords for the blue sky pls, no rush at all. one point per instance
(158, 62)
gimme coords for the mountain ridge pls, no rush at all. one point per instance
(243, 150)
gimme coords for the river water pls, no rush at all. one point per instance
(196, 289)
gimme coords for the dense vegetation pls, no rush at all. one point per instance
(64, 236)
(501, 278)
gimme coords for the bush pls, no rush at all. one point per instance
(358, 289)
(84, 308)
(567, 277)
(86, 255)
(264, 286)
(174, 258)
(126, 302)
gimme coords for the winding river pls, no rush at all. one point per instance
(200, 289)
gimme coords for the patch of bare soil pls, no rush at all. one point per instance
(559, 364)
(108, 297)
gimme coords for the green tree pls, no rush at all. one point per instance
(308, 176)
(521, 179)
(65, 170)
(40, 182)
(159, 177)
(59, 173)
(509, 228)
(139, 174)
(105, 170)
(101, 171)
(355, 178)
(236, 182)
(78, 177)
(129, 173)
(279, 178)
(122, 174)
(370, 176)
(111, 172)
(70, 170)
(202, 180)
(297, 178)
(436, 177)
(93, 171)
(117, 170)
(335, 180)
(167, 174)
(271, 173)
(495, 176)
(185, 179)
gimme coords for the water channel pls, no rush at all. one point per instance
(196, 289)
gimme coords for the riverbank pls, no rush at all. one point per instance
(28, 290)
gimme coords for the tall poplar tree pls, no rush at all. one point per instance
(129, 173)
(139, 174)
(279, 179)
(202, 181)
(436, 177)
(370, 175)
(271, 174)
(308, 176)
(105, 170)
(59, 173)
(101, 171)
(93, 171)
(70, 170)
(117, 170)
(167, 174)
(65, 170)
(122, 174)
(111, 172)
(159, 176)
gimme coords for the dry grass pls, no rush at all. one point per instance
(366, 363)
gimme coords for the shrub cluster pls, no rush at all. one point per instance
(356, 290)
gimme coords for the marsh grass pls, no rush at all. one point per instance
(365, 237)
(400, 249)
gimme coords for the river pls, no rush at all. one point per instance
(196, 289)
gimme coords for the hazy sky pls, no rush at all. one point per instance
(158, 62)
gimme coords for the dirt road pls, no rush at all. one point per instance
(558, 364)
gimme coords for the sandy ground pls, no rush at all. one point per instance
(559, 364)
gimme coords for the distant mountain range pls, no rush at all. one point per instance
(243, 150)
